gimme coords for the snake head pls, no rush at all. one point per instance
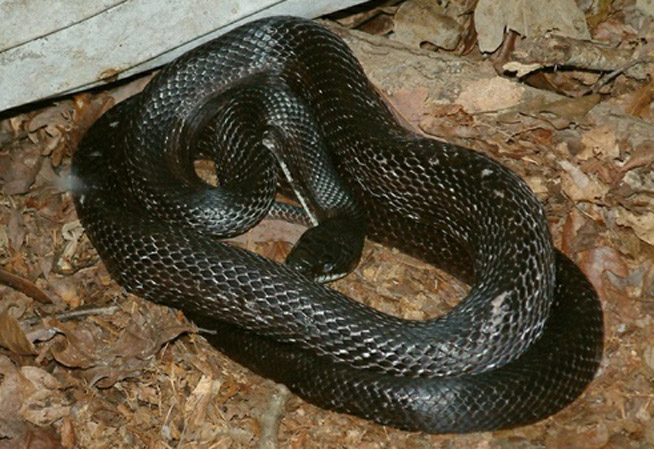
(328, 251)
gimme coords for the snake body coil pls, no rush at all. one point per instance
(523, 344)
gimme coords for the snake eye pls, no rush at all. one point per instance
(327, 267)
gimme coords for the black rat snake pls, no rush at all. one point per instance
(523, 344)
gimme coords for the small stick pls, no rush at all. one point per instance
(77, 313)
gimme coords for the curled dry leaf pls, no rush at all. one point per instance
(52, 116)
(596, 262)
(87, 110)
(68, 437)
(28, 395)
(528, 18)
(46, 404)
(638, 213)
(18, 170)
(104, 363)
(643, 155)
(579, 186)
(648, 360)
(12, 336)
(418, 21)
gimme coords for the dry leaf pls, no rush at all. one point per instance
(51, 117)
(35, 438)
(418, 21)
(641, 223)
(643, 155)
(638, 213)
(104, 363)
(490, 95)
(12, 336)
(579, 186)
(16, 230)
(46, 404)
(572, 109)
(271, 230)
(27, 393)
(19, 169)
(601, 142)
(566, 110)
(597, 261)
(13, 387)
(528, 18)
(641, 100)
(593, 437)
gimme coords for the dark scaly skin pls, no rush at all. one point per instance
(522, 345)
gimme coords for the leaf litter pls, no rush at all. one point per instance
(140, 375)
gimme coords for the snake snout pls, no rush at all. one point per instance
(328, 251)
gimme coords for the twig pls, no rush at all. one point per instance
(609, 76)
(77, 313)
(558, 51)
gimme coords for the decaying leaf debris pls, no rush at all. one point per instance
(84, 365)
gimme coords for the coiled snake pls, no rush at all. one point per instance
(522, 345)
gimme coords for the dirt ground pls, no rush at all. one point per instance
(83, 364)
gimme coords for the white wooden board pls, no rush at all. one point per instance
(55, 47)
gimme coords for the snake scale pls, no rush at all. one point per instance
(286, 92)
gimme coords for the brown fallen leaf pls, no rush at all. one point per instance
(13, 337)
(641, 101)
(39, 438)
(50, 116)
(599, 142)
(567, 110)
(641, 223)
(592, 437)
(24, 286)
(46, 404)
(595, 263)
(27, 389)
(528, 18)
(270, 231)
(573, 222)
(493, 94)
(418, 21)
(579, 186)
(16, 230)
(637, 210)
(643, 155)
(18, 170)
(13, 388)
(105, 362)
(68, 433)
